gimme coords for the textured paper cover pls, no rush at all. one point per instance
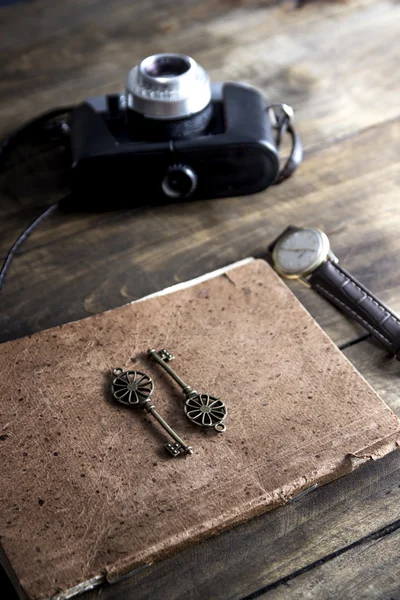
(87, 488)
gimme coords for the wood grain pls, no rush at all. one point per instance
(337, 64)
(333, 93)
(342, 187)
(368, 571)
(82, 264)
(380, 370)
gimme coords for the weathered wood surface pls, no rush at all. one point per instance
(380, 370)
(368, 571)
(83, 48)
(82, 264)
(337, 65)
(343, 188)
(310, 58)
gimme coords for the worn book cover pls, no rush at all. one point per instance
(88, 491)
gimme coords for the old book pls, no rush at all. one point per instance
(88, 492)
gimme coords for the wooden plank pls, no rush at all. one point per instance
(50, 57)
(368, 571)
(338, 65)
(336, 181)
(270, 48)
(381, 370)
(65, 273)
(44, 21)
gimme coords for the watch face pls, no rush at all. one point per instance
(300, 251)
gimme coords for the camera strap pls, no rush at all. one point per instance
(281, 116)
(47, 126)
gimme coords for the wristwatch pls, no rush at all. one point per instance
(304, 253)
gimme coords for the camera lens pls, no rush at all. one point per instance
(179, 182)
(168, 86)
(166, 65)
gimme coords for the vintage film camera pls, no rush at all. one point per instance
(173, 135)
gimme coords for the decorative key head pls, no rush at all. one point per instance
(131, 388)
(206, 411)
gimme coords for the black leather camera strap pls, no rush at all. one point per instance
(47, 122)
(295, 157)
(281, 116)
(350, 296)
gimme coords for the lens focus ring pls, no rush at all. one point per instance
(168, 86)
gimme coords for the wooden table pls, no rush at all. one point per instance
(337, 64)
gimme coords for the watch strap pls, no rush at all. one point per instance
(350, 296)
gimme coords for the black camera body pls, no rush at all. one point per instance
(156, 143)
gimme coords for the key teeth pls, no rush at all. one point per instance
(162, 354)
(177, 449)
(165, 355)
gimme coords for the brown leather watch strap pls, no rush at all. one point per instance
(350, 296)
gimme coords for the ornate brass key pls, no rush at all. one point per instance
(134, 388)
(201, 409)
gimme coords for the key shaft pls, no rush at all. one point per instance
(185, 448)
(157, 356)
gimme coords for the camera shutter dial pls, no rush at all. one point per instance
(179, 182)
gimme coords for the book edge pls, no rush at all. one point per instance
(350, 463)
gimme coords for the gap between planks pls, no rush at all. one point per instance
(374, 536)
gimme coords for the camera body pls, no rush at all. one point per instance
(172, 135)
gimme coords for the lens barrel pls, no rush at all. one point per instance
(167, 87)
